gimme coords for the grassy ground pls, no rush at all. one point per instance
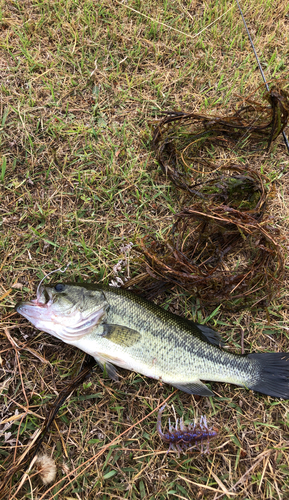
(81, 82)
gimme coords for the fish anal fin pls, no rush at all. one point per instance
(197, 388)
(121, 335)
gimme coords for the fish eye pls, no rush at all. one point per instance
(59, 287)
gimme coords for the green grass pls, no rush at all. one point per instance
(82, 83)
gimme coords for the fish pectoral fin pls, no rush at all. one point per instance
(107, 367)
(211, 335)
(197, 388)
(121, 335)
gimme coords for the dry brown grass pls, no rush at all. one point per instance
(80, 83)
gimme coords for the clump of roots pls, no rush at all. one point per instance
(220, 254)
(222, 247)
(186, 142)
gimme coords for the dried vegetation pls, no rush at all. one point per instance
(222, 245)
(80, 80)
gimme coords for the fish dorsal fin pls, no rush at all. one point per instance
(211, 335)
(197, 388)
(121, 335)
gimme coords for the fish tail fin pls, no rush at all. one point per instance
(273, 377)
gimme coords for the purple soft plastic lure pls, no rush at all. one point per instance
(184, 436)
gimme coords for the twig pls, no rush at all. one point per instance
(93, 459)
(32, 449)
(170, 27)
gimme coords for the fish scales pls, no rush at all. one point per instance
(120, 328)
(173, 343)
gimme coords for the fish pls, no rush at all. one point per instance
(119, 328)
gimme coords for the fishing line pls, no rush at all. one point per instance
(259, 64)
(46, 276)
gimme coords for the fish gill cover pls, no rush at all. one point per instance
(223, 247)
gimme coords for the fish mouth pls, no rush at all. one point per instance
(67, 327)
(35, 308)
(31, 309)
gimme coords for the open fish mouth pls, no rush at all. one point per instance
(35, 309)
(56, 315)
(32, 309)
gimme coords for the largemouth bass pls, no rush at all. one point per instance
(120, 328)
